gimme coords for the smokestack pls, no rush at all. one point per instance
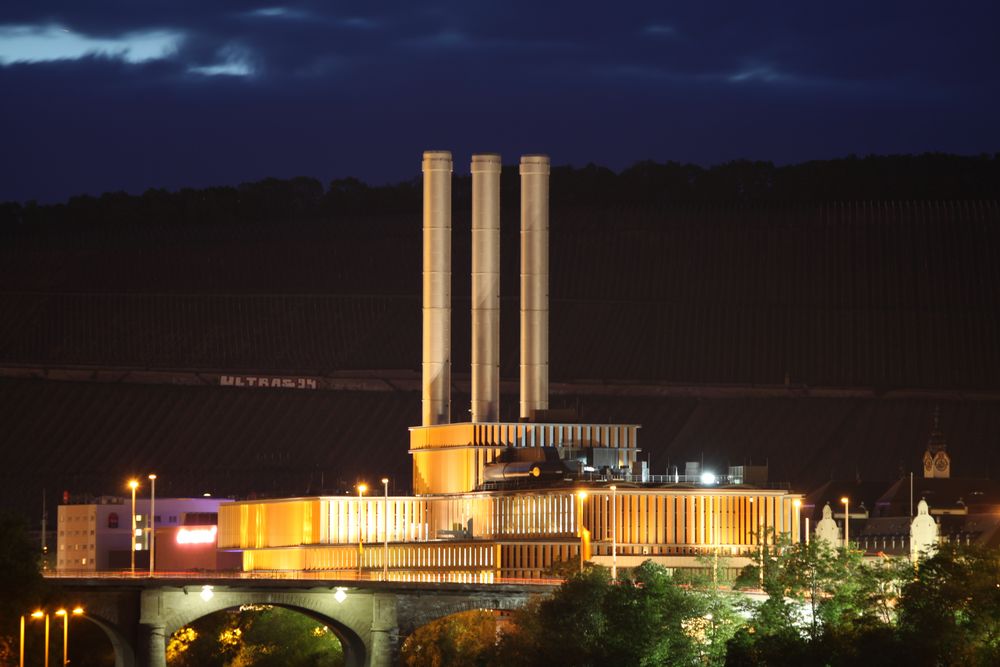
(436, 366)
(534, 284)
(486, 287)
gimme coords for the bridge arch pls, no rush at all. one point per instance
(124, 652)
(371, 618)
(349, 623)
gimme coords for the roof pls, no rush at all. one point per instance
(861, 495)
(975, 494)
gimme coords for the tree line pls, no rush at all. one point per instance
(930, 176)
(813, 606)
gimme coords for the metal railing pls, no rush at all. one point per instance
(333, 576)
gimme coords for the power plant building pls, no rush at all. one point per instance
(499, 499)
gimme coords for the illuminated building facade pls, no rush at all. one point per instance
(96, 535)
(506, 499)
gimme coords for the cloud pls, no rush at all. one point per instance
(280, 13)
(42, 43)
(702, 81)
(660, 30)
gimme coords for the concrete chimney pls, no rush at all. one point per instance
(534, 284)
(436, 365)
(486, 287)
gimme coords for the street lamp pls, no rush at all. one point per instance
(133, 484)
(385, 529)
(614, 533)
(65, 617)
(152, 523)
(847, 520)
(21, 661)
(42, 614)
(361, 543)
(580, 529)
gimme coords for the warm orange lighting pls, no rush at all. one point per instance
(60, 612)
(78, 610)
(797, 503)
(133, 484)
(582, 495)
(385, 480)
(362, 488)
(37, 614)
(152, 476)
(845, 500)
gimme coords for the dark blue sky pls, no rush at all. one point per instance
(107, 95)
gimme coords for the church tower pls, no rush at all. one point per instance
(937, 463)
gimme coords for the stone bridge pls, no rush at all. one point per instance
(371, 618)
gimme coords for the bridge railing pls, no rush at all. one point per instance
(335, 576)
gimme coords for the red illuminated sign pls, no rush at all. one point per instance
(204, 535)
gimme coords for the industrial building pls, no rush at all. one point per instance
(507, 499)
(815, 335)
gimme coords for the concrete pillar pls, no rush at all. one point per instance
(385, 641)
(534, 284)
(436, 366)
(152, 645)
(486, 287)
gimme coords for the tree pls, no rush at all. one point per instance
(461, 640)
(22, 587)
(645, 618)
(950, 612)
(264, 636)
(820, 602)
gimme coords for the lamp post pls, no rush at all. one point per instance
(614, 533)
(385, 529)
(847, 520)
(361, 541)
(133, 484)
(580, 530)
(42, 614)
(65, 617)
(21, 661)
(152, 523)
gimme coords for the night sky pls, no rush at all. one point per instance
(98, 95)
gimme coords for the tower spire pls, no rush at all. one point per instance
(937, 463)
